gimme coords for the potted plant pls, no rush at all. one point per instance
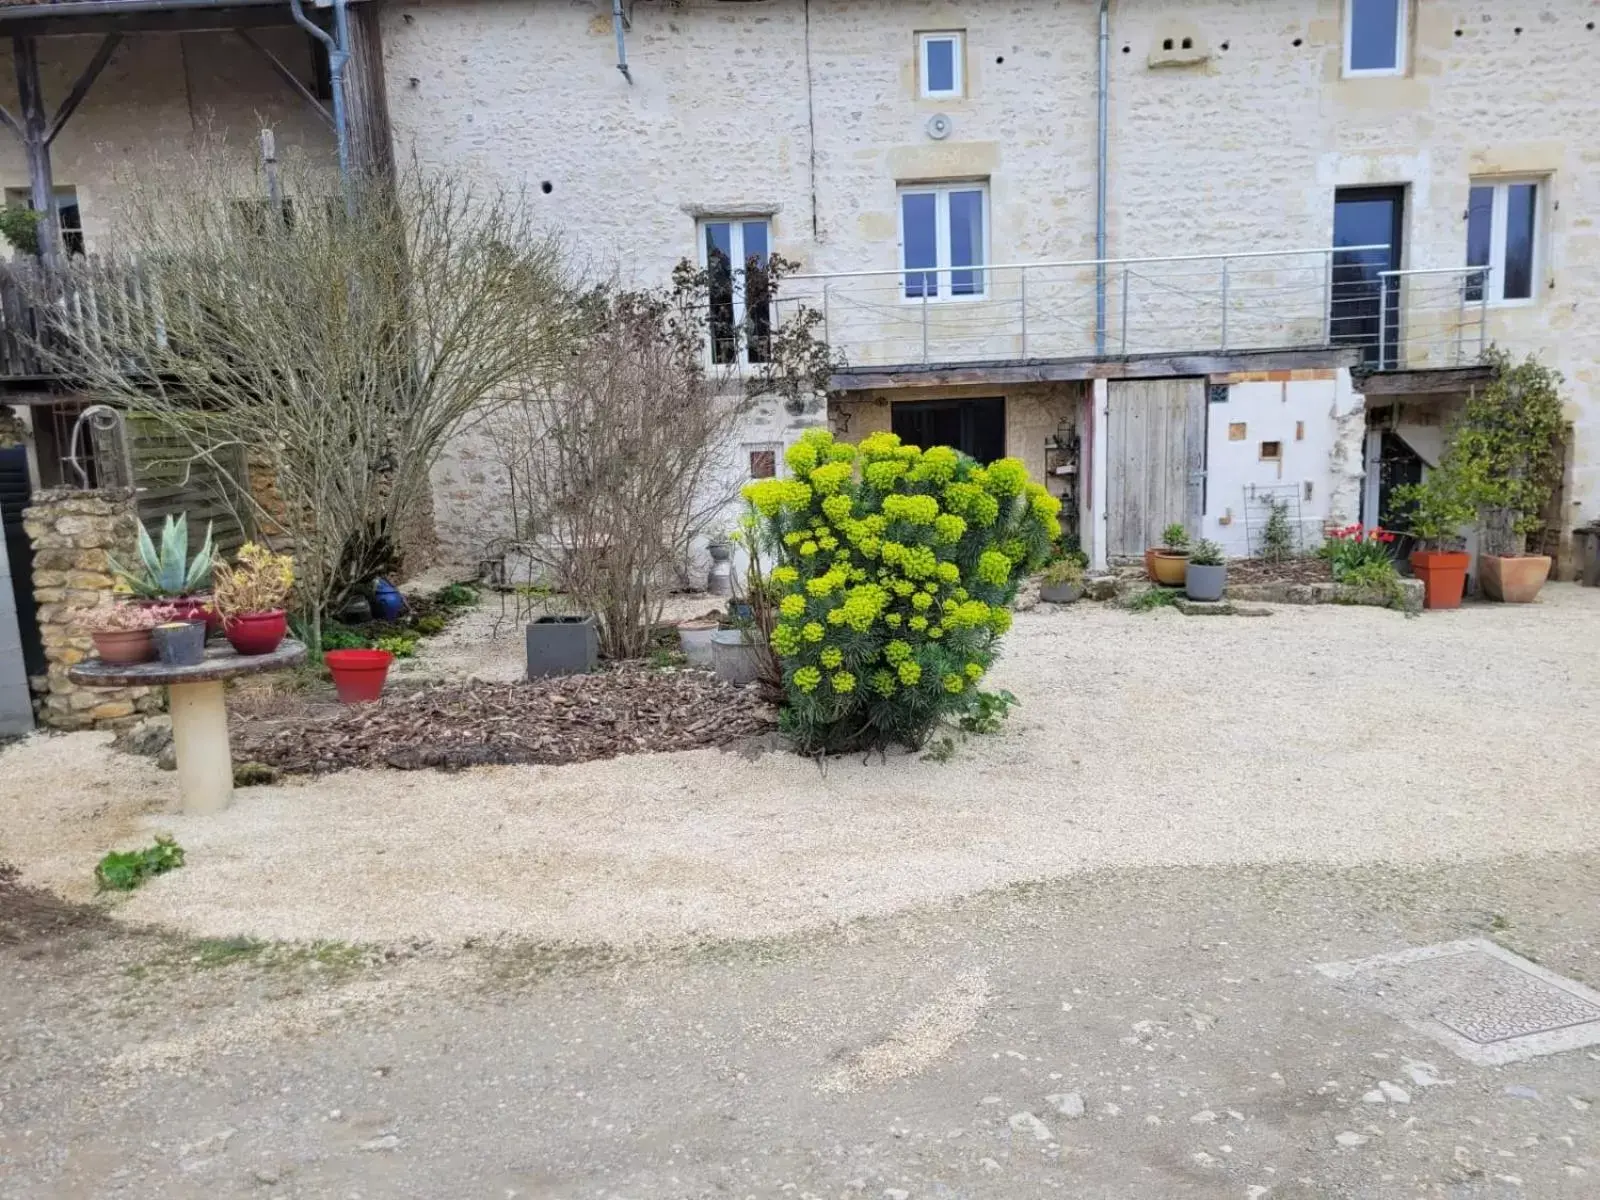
(251, 596)
(1507, 448)
(121, 632)
(695, 638)
(1206, 575)
(1168, 561)
(1440, 508)
(180, 643)
(1061, 582)
(169, 575)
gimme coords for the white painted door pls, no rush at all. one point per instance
(1155, 461)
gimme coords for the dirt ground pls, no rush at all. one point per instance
(1124, 1034)
(1318, 735)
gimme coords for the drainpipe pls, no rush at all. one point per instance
(618, 23)
(1102, 121)
(338, 56)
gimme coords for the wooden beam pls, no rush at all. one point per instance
(284, 73)
(36, 145)
(201, 20)
(1426, 382)
(80, 89)
(1060, 370)
(366, 103)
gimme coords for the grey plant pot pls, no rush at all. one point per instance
(1205, 583)
(736, 655)
(1060, 593)
(181, 644)
(562, 646)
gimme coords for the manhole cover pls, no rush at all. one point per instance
(1488, 1005)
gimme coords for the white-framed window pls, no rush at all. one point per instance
(1375, 37)
(734, 252)
(1503, 230)
(69, 217)
(944, 239)
(939, 65)
(763, 460)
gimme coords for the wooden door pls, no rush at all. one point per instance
(1155, 461)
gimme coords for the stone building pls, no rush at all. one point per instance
(1150, 289)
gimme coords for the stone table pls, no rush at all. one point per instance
(199, 713)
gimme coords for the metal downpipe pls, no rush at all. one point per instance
(1101, 166)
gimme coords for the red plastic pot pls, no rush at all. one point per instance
(257, 633)
(1443, 574)
(358, 675)
(191, 608)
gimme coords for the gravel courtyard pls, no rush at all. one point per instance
(1335, 736)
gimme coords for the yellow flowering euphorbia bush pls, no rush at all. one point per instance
(896, 569)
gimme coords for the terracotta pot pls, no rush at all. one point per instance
(1150, 564)
(125, 646)
(1169, 569)
(1443, 574)
(257, 633)
(1513, 580)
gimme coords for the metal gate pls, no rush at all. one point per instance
(1155, 461)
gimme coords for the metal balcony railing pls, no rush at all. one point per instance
(1199, 303)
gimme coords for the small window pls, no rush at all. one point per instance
(1375, 37)
(943, 240)
(1503, 238)
(939, 65)
(763, 464)
(734, 253)
(1271, 451)
(68, 215)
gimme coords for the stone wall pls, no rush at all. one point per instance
(1239, 146)
(74, 533)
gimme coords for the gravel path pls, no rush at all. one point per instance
(1333, 735)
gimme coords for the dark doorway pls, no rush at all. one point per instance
(15, 494)
(1367, 217)
(974, 427)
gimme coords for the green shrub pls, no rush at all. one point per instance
(893, 585)
(1175, 539)
(401, 645)
(342, 637)
(1278, 540)
(430, 625)
(1063, 570)
(989, 711)
(124, 870)
(1206, 553)
(1353, 548)
(1151, 598)
(1377, 575)
(456, 595)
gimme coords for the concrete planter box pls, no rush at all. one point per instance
(1409, 598)
(736, 655)
(695, 637)
(562, 646)
(1205, 583)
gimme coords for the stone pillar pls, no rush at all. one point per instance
(74, 533)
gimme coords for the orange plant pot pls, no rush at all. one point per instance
(1513, 579)
(1443, 574)
(1170, 569)
(1150, 564)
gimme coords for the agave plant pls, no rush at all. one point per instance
(171, 572)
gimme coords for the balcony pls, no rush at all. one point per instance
(1180, 305)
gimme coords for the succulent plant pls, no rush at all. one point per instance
(1206, 553)
(169, 572)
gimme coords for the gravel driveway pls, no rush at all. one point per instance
(1330, 736)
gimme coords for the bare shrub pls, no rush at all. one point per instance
(343, 349)
(620, 455)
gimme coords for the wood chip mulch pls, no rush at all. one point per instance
(1292, 570)
(629, 709)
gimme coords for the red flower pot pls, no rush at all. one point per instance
(192, 608)
(257, 633)
(125, 646)
(1443, 574)
(358, 675)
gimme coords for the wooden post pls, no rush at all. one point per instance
(36, 144)
(366, 103)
